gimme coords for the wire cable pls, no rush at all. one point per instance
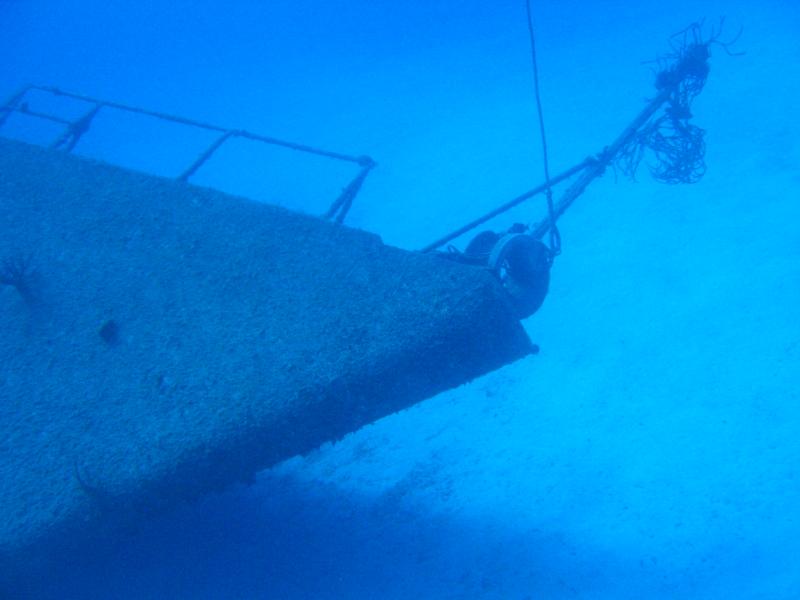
(555, 236)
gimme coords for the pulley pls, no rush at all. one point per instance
(520, 261)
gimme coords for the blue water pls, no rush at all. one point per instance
(650, 451)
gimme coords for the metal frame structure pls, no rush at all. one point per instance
(74, 131)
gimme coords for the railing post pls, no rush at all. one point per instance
(75, 130)
(10, 104)
(340, 207)
(205, 155)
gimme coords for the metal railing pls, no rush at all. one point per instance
(74, 130)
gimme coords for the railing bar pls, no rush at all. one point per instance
(203, 125)
(299, 147)
(143, 111)
(33, 113)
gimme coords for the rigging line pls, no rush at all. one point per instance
(555, 236)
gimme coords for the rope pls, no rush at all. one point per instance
(599, 164)
(555, 236)
(680, 149)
